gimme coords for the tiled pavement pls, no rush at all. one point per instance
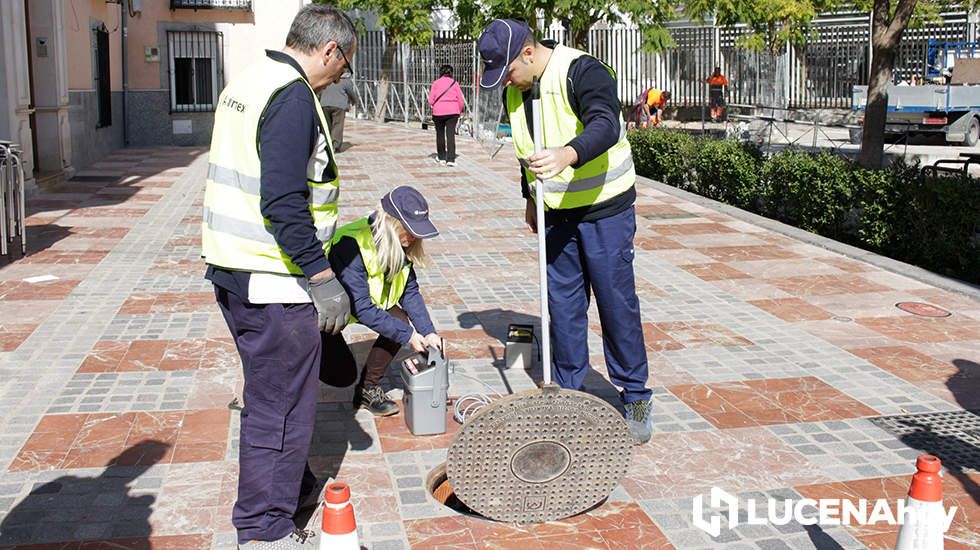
(773, 362)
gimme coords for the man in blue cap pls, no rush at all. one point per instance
(586, 168)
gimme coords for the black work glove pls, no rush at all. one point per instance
(331, 303)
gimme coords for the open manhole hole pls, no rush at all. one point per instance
(439, 487)
(922, 309)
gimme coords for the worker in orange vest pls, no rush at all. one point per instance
(653, 107)
(716, 93)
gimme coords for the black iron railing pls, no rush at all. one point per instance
(211, 4)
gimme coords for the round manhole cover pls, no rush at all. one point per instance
(539, 456)
(922, 309)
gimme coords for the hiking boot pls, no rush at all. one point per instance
(299, 539)
(374, 399)
(639, 421)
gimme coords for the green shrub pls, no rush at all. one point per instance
(726, 171)
(944, 224)
(661, 154)
(813, 192)
(929, 222)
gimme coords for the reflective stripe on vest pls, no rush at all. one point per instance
(384, 293)
(604, 177)
(234, 234)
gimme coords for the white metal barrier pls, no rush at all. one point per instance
(13, 212)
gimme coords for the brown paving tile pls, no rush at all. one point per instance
(792, 309)
(472, 344)
(395, 436)
(714, 271)
(656, 243)
(441, 296)
(204, 427)
(13, 335)
(696, 228)
(168, 302)
(95, 440)
(924, 329)
(817, 285)
(53, 290)
(160, 355)
(646, 289)
(747, 253)
(768, 402)
(656, 339)
(907, 363)
(846, 264)
(674, 465)
(699, 335)
(443, 533)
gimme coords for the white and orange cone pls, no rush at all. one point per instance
(925, 519)
(339, 528)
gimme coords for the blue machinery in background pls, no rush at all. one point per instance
(941, 55)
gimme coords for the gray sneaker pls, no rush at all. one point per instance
(639, 421)
(299, 539)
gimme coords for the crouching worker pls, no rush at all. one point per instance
(374, 259)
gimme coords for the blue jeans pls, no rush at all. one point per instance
(595, 256)
(280, 347)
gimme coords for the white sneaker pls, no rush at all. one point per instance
(451, 163)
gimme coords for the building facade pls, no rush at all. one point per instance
(81, 78)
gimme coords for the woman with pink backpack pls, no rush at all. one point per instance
(446, 99)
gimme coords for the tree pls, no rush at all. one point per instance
(403, 21)
(776, 23)
(576, 16)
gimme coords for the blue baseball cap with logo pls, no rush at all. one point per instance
(499, 45)
(409, 207)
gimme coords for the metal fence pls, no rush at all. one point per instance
(819, 76)
(13, 214)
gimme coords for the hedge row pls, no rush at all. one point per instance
(929, 222)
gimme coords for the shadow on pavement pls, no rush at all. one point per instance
(72, 508)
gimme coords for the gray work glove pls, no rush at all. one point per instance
(331, 303)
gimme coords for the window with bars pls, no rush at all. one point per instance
(102, 80)
(195, 70)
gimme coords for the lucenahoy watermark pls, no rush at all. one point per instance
(829, 511)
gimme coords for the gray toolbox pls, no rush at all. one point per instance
(426, 380)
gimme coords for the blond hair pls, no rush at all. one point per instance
(391, 255)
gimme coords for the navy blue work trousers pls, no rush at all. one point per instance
(281, 348)
(597, 256)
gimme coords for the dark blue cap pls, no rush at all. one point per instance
(500, 43)
(409, 207)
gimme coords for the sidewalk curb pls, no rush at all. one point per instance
(877, 260)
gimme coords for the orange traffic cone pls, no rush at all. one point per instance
(339, 529)
(925, 519)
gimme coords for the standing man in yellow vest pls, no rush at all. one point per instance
(586, 168)
(270, 209)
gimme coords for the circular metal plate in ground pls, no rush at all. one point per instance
(922, 310)
(540, 455)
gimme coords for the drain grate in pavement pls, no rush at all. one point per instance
(953, 437)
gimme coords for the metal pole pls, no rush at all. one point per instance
(405, 51)
(4, 161)
(542, 246)
(21, 208)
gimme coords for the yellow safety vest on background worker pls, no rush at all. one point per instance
(604, 177)
(384, 293)
(234, 235)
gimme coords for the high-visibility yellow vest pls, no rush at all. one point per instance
(234, 234)
(602, 178)
(384, 293)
